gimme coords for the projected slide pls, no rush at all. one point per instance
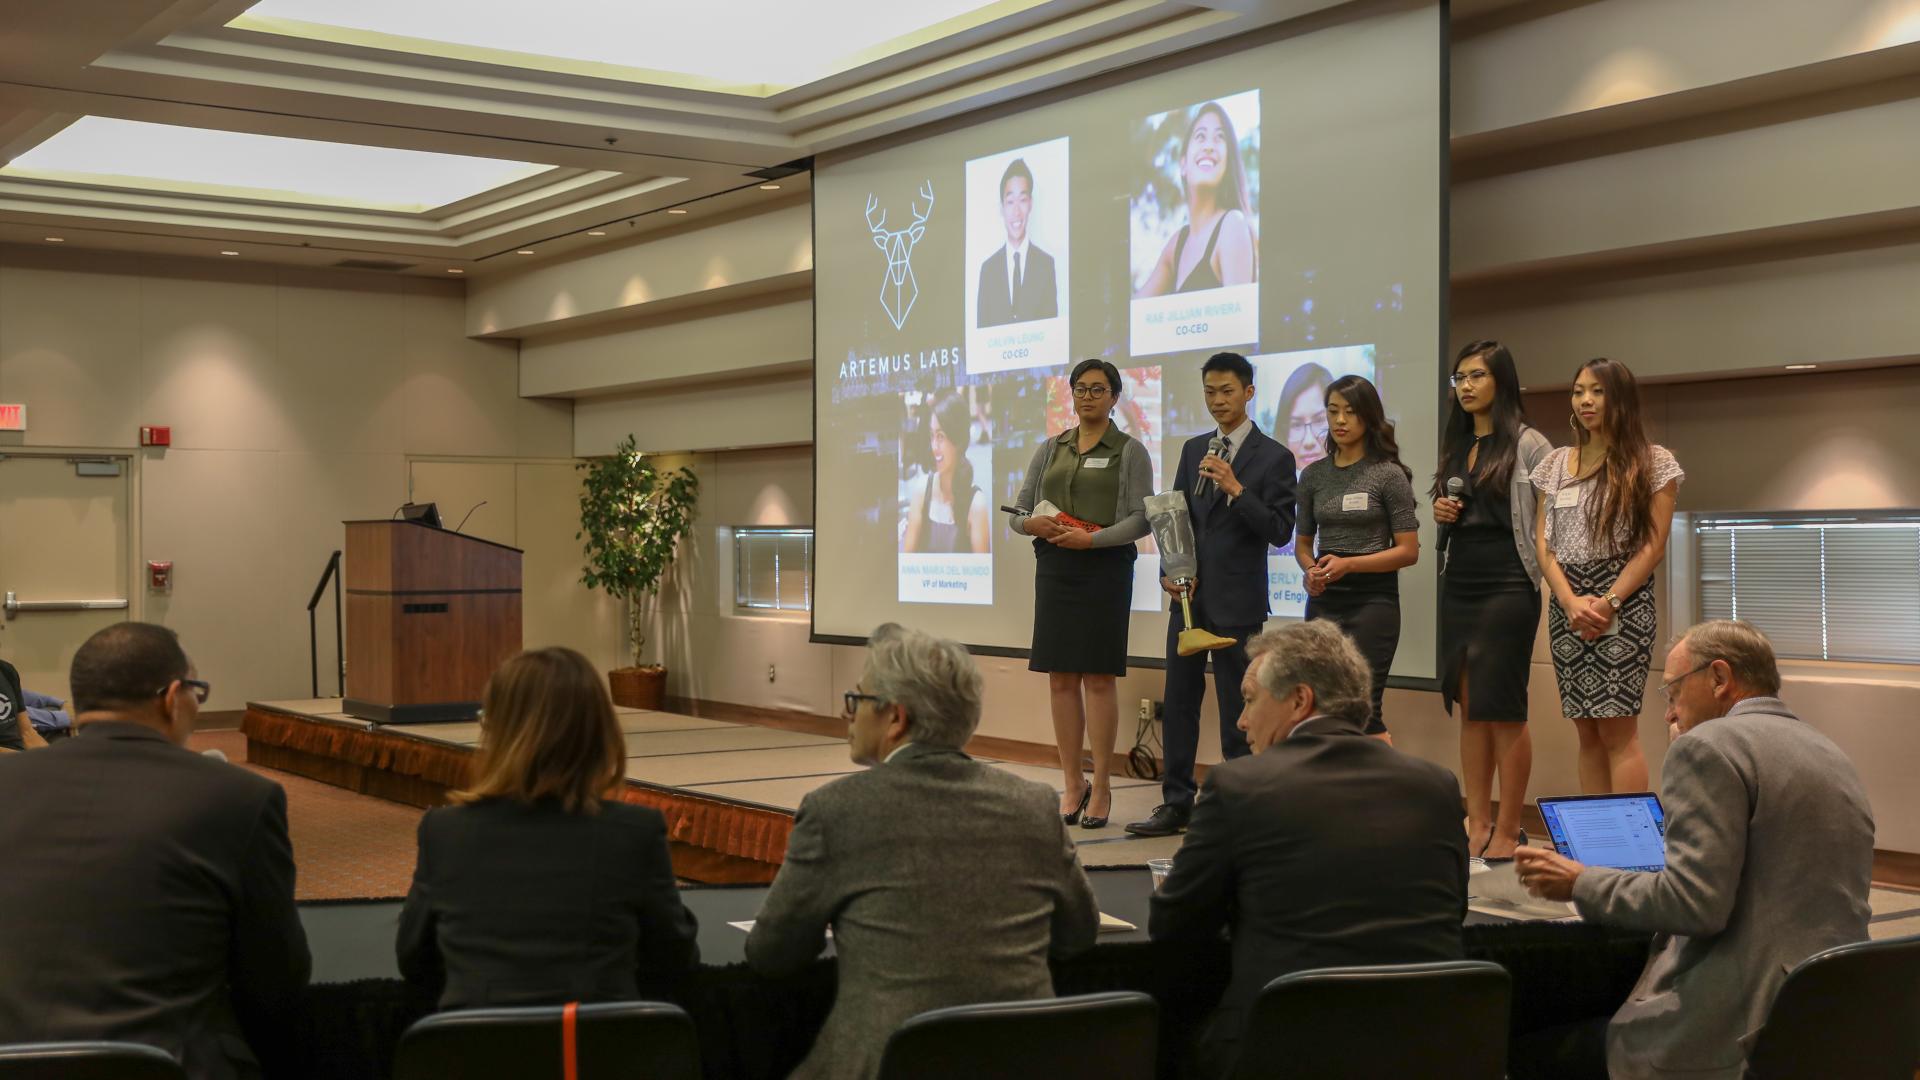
(1195, 219)
(1017, 238)
(1279, 199)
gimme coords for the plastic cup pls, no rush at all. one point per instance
(1159, 868)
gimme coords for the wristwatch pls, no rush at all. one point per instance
(1612, 600)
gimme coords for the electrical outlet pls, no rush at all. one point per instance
(769, 672)
(1146, 710)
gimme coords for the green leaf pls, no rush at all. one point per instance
(632, 519)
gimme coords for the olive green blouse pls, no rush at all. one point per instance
(1085, 485)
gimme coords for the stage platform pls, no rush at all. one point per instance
(728, 790)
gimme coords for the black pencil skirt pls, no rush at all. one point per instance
(1367, 608)
(1080, 603)
(1489, 614)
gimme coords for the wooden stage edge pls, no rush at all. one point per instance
(715, 841)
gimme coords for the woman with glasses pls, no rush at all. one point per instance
(1606, 506)
(1303, 413)
(1095, 475)
(1489, 587)
(538, 886)
(1358, 527)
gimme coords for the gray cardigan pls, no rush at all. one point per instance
(1523, 497)
(1136, 483)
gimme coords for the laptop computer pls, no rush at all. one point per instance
(1626, 832)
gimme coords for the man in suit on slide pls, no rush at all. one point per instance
(1323, 849)
(1241, 502)
(1769, 849)
(946, 881)
(148, 889)
(1016, 282)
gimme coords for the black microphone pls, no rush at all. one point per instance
(463, 521)
(1214, 446)
(1455, 487)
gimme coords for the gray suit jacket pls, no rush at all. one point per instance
(1769, 851)
(946, 882)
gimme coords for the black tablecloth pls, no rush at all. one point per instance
(752, 1028)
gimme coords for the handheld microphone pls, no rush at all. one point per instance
(1214, 446)
(463, 521)
(1455, 487)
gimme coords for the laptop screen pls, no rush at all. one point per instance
(1626, 832)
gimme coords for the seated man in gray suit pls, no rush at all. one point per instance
(1769, 851)
(1325, 847)
(148, 889)
(946, 881)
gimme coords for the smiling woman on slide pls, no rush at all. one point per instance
(1216, 189)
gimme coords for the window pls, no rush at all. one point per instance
(1831, 586)
(773, 569)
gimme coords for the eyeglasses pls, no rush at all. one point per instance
(854, 698)
(1089, 390)
(1300, 429)
(1477, 375)
(1666, 688)
(200, 689)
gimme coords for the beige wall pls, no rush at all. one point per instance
(295, 398)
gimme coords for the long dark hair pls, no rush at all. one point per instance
(1494, 470)
(956, 423)
(1232, 193)
(1364, 400)
(1625, 484)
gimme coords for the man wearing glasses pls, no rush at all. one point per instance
(1769, 851)
(150, 891)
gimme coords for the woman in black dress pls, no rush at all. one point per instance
(1083, 580)
(1489, 587)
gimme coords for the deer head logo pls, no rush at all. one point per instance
(898, 289)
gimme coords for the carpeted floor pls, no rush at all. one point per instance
(345, 845)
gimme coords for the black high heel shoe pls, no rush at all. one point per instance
(1091, 822)
(1085, 797)
(1482, 853)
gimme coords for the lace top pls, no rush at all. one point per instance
(1567, 534)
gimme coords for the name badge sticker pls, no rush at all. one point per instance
(1565, 497)
(1096, 463)
(1353, 501)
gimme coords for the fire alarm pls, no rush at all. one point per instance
(159, 575)
(156, 436)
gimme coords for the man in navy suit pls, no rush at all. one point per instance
(1016, 282)
(1241, 501)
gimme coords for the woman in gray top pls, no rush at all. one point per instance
(1094, 474)
(1357, 528)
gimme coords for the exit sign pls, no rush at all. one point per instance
(13, 418)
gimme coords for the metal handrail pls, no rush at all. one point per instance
(330, 574)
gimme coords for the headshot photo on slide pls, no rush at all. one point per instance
(1194, 220)
(1017, 258)
(945, 506)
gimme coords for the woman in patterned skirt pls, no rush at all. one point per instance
(1606, 504)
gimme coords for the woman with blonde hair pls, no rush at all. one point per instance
(538, 886)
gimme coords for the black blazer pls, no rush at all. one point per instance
(1232, 539)
(1328, 848)
(1038, 297)
(528, 905)
(148, 893)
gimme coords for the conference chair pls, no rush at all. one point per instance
(1444, 1021)
(1114, 1036)
(88, 1061)
(612, 1041)
(1851, 1012)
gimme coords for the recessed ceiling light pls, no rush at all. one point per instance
(229, 253)
(455, 270)
(676, 210)
(769, 187)
(1801, 367)
(56, 239)
(596, 232)
(524, 251)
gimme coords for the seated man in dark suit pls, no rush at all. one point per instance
(1324, 848)
(1017, 282)
(946, 881)
(148, 889)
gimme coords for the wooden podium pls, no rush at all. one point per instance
(430, 615)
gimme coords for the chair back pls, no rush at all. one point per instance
(88, 1061)
(612, 1041)
(1113, 1036)
(1444, 1021)
(1848, 1013)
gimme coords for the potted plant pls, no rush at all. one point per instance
(632, 517)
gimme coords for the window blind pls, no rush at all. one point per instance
(1826, 587)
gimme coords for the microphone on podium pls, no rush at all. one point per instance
(1214, 446)
(1455, 487)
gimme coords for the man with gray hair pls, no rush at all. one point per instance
(946, 881)
(1769, 852)
(1325, 847)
